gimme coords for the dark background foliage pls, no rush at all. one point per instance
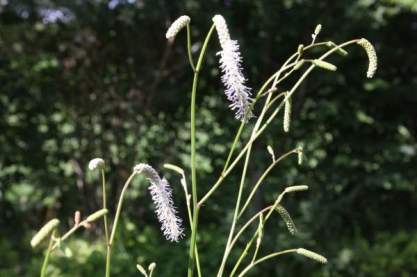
(80, 79)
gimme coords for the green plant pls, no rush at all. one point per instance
(272, 99)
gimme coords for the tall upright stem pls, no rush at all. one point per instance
(106, 227)
(196, 208)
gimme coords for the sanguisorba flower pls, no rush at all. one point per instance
(231, 66)
(96, 163)
(176, 26)
(372, 57)
(165, 210)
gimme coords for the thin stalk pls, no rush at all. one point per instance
(246, 225)
(190, 220)
(259, 238)
(258, 245)
(234, 144)
(270, 210)
(106, 228)
(116, 221)
(193, 243)
(260, 180)
(48, 252)
(242, 182)
(267, 257)
(66, 235)
(190, 55)
(247, 146)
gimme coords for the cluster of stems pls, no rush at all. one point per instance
(271, 102)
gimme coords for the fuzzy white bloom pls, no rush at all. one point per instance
(96, 163)
(222, 30)
(236, 91)
(295, 188)
(176, 26)
(231, 66)
(372, 57)
(161, 194)
(285, 215)
(287, 115)
(300, 154)
(317, 29)
(312, 255)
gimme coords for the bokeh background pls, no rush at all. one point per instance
(84, 79)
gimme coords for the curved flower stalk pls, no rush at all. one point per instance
(165, 210)
(231, 66)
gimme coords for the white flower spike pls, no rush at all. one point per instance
(96, 163)
(231, 66)
(372, 57)
(177, 26)
(161, 194)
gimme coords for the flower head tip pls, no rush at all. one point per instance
(176, 26)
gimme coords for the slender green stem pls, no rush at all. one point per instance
(106, 228)
(190, 220)
(242, 256)
(66, 235)
(190, 55)
(115, 222)
(193, 242)
(234, 144)
(259, 239)
(270, 210)
(248, 145)
(108, 259)
(260, 180)
(267, 257)
(48, 252)
(119, 207)
(242, 182)
(234, 220)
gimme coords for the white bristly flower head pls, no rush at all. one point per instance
(312, 255)
(222, 29)
(95, 163)
(176, 26)
(161, 194)
(231, 66)
(372, 57)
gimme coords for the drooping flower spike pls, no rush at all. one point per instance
(177, 26)
(165, 210)
(231, 66)
(372, 57)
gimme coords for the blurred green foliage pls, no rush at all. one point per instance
(84, 79)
